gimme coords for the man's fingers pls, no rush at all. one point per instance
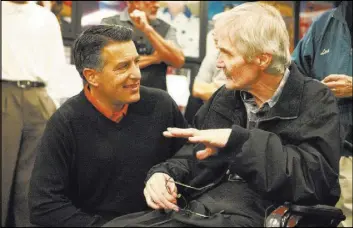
(203, 154)
(333, 77)
(160, 197)
(179, 132)
(199, 139)
(154, 196)
(149, 201)
(172, 188)
(335, 84)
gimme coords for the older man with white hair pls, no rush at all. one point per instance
(261, 140)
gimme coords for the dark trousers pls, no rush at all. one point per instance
(160, 218)
(24, 115)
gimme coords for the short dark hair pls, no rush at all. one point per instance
(88, 46)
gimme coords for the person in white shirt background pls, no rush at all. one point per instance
(33, 77)
(179, 15)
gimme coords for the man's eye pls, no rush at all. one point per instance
(122, 66)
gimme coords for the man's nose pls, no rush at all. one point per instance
(135, 73)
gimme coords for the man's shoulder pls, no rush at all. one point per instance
(111, 20)
(313, 88)
(71, 108)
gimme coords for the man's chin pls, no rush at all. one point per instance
(135, 98)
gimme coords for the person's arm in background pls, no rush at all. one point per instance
(49, 198)
(147, 60)
(165, 49)
(303, 55)
(204, 86)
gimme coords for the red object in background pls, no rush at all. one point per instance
(311, 10)
(170, 70)
(68, 3)
(304, 25)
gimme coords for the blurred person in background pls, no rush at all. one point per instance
(98, 146)
(325, 54)
(32, 57)
(210, 77)
(155, 41)
(179, 15)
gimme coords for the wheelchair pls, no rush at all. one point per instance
(291, 215)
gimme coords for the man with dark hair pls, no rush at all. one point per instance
(98, 146)
(155, 41)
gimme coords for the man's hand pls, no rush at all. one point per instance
(213, 139)
(139, 19)
(157, 195)
(203, 89)
(340, 84)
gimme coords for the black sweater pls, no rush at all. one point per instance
(90, 169)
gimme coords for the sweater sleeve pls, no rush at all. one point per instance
(49, 193)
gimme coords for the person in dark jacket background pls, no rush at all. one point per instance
(99, 145)
(155, 40)
(325, 53)
(270, 135)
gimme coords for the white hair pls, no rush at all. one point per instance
(254, 28)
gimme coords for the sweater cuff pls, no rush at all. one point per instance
(237, 138)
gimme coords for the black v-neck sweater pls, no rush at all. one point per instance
(90, 169)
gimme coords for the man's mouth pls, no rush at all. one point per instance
(132, 86)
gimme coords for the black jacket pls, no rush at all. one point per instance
(292, 154)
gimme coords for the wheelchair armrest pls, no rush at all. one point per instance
(317, 210)
(292, 215)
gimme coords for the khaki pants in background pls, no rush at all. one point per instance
(345, 201)
(24, 114)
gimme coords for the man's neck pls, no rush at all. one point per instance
(265, 88)
(104, 102)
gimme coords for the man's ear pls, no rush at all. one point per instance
(263, 60)
(91, 76)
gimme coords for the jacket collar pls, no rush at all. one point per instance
(228, 102)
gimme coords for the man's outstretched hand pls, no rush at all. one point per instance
(212, 139)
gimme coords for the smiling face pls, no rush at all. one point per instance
(119, 80)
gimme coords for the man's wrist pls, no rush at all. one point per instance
(147, 29)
